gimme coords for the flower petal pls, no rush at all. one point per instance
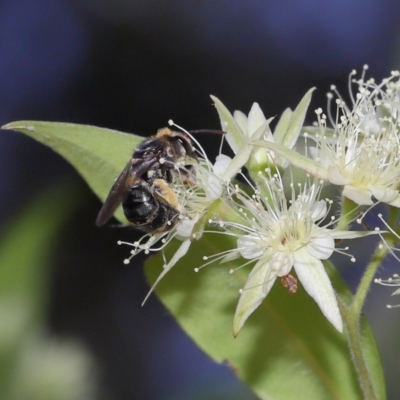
(214, 187)
(384, 195)
(237, 162)
(222, 163)
(234, 255)
(282, 125)
(297, 121)
(336, 177)
(234, 135)
(321, 245)
(255, 120)
(307, 164)
(315, 280)
(249, 247)
(281, 262)
(395, 202)
(336, 234)
(359, 196)
(183, 249)
(255, 290)
(184, 228)
(319, 210)
(241, 120)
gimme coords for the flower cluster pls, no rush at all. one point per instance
(284, 228)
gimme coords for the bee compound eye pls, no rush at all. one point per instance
(184, 145)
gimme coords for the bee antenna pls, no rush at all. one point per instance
(212, 131)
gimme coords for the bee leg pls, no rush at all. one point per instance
(166, 195)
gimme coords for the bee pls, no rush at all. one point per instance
(144, 185)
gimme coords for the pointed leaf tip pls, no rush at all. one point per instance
(98, 154)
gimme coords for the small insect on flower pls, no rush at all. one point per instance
(143, 187)
(165, 189)
(289, 282)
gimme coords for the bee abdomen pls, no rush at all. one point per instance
(146, 213)
(140, 205)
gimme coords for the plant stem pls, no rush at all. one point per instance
(348, 213)
(352, 314)
(352, 324)
(366, 280)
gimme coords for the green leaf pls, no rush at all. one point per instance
(98, 154)
(26, 247)
(373, 359)
(286, 350)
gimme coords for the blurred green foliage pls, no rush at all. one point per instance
(34, 365)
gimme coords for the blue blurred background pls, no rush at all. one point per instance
(132, 65)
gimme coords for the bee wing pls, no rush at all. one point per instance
(142, 166)
(115, 196)
(132, 173)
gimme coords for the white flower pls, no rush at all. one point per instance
(364, 156)
(362, 151)
(278, 238)
(242, 130)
